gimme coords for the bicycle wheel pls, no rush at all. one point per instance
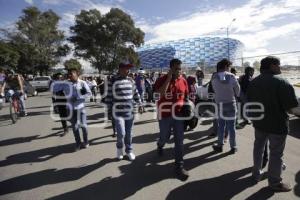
(13, 112)
(1, 103)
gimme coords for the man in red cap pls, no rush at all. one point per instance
(120, 95)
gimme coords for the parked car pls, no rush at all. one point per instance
(29, 89)
(41, 82)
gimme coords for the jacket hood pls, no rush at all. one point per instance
(222, 77)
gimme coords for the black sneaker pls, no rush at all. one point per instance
(23, 114)
(212, 135)
(113, 135)
(233, 150)
(181, 173)
(77, 148)
(248, 122)
(217, 148)
(85, 145)
(281, 187)
(66, 131)
(160, 151)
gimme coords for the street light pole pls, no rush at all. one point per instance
(227, 34)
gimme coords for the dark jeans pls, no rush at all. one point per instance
(266, 154)
(276, 145)
(63, 114)
(113, 125)
(79, 120)
(165, 126)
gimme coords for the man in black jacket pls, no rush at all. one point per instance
(276, 97)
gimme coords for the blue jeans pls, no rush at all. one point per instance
(165, 126)
(123, 125)
(227, 111)
(79, 120)
(141, 93)
(22, 101)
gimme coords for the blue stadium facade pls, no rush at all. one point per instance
(205, 50)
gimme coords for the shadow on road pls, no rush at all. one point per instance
(145, 138)
(5, 120)
(18, 140)
(42, 154)
(38, 107)
(47, 177)
(152, 137)
(97, 105)
(263, 193)
(96, 116)
(137, 123)
(198, 134)
(31, 114)
(37, 155)
(144, 171)
(4, 117)
(222, 187)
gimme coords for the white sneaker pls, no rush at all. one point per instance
(131, 156)
(120, 154)
(283, 166)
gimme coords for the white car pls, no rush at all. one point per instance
(202, 92)
(41, 82)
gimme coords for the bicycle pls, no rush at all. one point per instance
(1, 101)
(14, 106)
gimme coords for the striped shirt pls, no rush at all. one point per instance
(122, 94)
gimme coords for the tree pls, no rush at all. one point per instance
(72, 64)
(246, 64)
(256, 65)
(106, 40)
(38, 40)
(8, 55)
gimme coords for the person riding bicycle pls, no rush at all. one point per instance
(2, 81)
(14, 82)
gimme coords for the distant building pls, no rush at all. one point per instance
(203, 51)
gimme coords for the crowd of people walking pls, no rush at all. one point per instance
(265, 101)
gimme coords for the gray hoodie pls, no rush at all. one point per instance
(226, 87)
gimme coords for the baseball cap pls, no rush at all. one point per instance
(125, 65)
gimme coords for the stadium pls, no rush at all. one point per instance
(205, 51)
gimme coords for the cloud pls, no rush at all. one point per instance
(255, 24)
(68, 18)
(53, 2)
(261, 39)
(29, 2)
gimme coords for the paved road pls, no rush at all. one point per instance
(36, 163)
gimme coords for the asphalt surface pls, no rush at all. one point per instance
(36, 163)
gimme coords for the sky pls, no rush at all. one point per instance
(264, 26)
